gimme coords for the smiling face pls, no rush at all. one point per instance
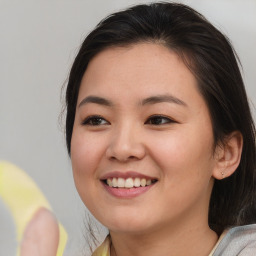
(142, 142)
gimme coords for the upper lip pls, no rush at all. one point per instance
(126, 175)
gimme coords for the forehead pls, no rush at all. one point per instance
(144, 68)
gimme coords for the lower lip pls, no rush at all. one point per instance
(127, 192)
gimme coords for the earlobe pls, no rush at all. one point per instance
(228, 156)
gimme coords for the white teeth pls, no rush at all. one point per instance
(109, 182)
(120, 182)
(149, 182)
(128, 183)
(114, 182)
(143, 182)
(137, 182)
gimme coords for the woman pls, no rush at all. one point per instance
(160, 135)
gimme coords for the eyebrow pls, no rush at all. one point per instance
(150, 100)
(163, 98)
(96, 100)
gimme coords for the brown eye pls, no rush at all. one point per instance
(95, 121)
(159, 120)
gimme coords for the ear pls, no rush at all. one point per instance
(228, 155)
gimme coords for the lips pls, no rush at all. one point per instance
(128, 184)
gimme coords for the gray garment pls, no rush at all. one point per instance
(238, 241)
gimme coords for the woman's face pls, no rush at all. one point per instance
(142, 123)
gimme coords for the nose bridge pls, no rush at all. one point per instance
(126, 142)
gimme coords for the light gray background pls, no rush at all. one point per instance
(38, 42)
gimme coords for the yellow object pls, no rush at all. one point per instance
(104, 248)
(24, 198)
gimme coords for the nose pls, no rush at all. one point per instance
(126, 144)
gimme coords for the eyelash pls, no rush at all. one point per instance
(157, 118)
(96, 120)
(90, 119)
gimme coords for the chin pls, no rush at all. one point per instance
(127, 224)
(128, 217)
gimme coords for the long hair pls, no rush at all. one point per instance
(211, 58)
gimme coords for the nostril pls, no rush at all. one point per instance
(123, 159)
(113, 158)
(124, 152)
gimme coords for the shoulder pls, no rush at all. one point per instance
(239, 240)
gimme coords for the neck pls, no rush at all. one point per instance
(171, 241)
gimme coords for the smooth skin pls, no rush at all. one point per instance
(41, 237)
(150, 119)
(135, 127)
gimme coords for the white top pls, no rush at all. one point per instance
(236, 241)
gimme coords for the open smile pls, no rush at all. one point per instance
(127, 185)
(129, 182)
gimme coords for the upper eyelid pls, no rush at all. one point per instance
(152, 116)
(88, 118)
(161, 116)
(170, 119)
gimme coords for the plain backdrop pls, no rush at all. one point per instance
(38, 42)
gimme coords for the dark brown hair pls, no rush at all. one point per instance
(211, 58)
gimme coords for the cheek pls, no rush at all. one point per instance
(186, 165)
(182, 153)
(86, 152)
